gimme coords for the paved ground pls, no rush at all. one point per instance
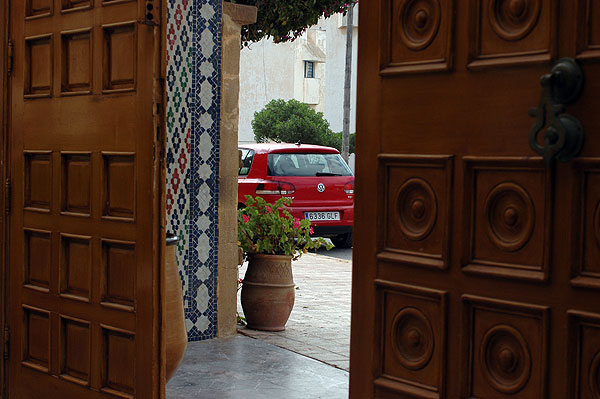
(245, 368)
(340, 253)
(317, 337)
(319, 326)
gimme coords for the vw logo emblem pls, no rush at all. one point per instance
(321, 187)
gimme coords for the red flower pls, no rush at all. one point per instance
(268, 208)
(296, 223)
(311, 231)
(246, 218)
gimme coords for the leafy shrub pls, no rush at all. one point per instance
(289, 122)
(293, 121)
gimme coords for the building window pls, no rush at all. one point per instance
(309, 69)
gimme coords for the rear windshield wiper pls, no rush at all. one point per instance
(327, 174)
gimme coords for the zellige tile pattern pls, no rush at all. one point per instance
(193, 114)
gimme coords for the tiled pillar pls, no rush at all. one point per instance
(234, 16)
(193, 129)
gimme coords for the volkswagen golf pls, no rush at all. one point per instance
(316, 178)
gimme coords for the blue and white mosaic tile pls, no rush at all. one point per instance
(193, 120)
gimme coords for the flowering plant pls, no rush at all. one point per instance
(265, 228)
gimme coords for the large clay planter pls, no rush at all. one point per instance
(174, 317)
(268, 292)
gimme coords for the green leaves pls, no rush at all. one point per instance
(285, 20)
(289, 122)
(270, 229)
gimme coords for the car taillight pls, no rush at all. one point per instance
(287, 188)
(349, 188)
(275, 188)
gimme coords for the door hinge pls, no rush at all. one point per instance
(6, 347)
(11, 57)
(7, 195)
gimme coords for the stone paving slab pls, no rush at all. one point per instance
(244, 368)
(319, 326)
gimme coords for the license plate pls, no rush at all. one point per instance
(319, 216)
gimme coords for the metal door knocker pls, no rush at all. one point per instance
(564, 135)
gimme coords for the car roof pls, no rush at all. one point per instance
(286, 148)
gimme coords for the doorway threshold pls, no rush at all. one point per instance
(243, 367)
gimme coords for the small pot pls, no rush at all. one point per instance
(268, 292)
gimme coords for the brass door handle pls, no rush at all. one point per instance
(564, 135)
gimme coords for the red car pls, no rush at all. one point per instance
(317, 179)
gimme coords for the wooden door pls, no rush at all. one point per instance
(3, 124)
(84, 238)
(476, 265)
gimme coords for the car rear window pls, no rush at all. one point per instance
(247, 157)
(303, 164)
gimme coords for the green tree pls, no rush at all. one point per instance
(293, 121)
(289, 122)
(285, 20)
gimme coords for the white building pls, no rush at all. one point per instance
(310, 69)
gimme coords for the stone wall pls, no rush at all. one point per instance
(234, 16)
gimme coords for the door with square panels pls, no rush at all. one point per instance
(83, 303)
(477, 231)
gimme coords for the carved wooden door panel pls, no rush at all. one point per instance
(476, 265)
(83, 294)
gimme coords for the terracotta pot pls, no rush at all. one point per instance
(268, 292)
(174, 317)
